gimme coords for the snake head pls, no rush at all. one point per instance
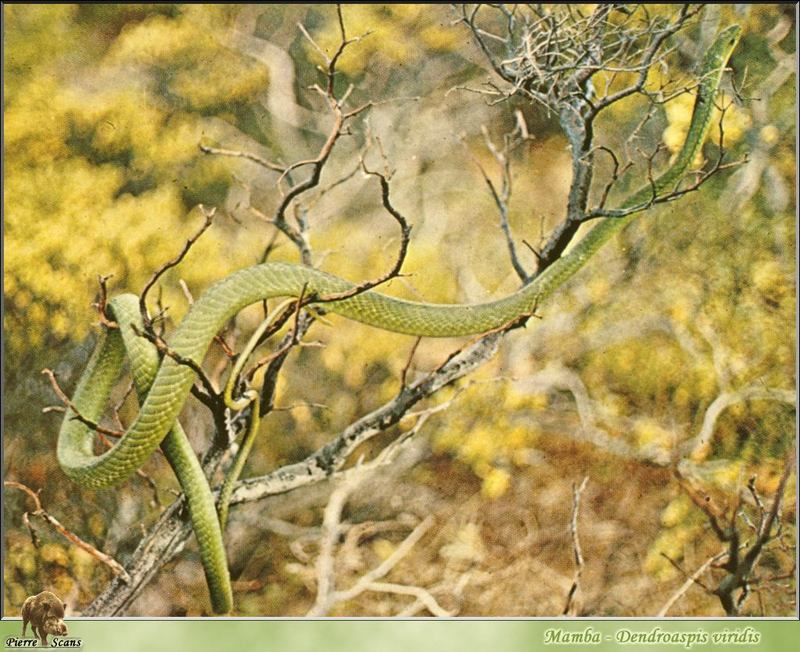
(731, 35)
(724, 44)
(716, 57)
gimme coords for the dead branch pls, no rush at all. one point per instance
(405, 236)
(551, 56)
(264, 163)
(502, 196)
(756, 391)
(571, 607)
(741, 557)
(170, 533)
(73, 538)
(211, 395)
(102, 301)
(209, 218)
(76, 413)
(327, 594)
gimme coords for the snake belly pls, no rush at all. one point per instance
(164, 384)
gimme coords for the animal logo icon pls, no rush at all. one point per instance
(45, 613)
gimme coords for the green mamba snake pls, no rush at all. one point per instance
(164, 384)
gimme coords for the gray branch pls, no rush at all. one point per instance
(170, 533)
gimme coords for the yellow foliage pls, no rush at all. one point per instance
(479, 446)
(518, 437)
(447, 439)
(210, 83)
(438, 38)
(394, 34)
(467, 545)
(35, 122)
(735, 123)
(383, 548)
(158, 40)
(63, 584)
(682, 309)
(82, 564)
(771, 280)
(100, 164)
(701, 452)
(672, 543)
(599, 288)
(96, 525)
(728, 476)
(650, 434)
(26, 563)
(486, 438)
(770, 134)
(496, 483)
(677, 511)
(657, 78)
(53, 553)
(34, 34)
(682, 397)
(767, 485)
(679, 115)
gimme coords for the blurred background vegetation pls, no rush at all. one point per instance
(105, 109)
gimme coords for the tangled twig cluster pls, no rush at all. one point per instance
(552, 55)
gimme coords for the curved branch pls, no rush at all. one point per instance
(725, 400)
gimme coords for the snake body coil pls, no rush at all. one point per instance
(163, 385)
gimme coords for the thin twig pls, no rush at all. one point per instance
(77, 414)
(501, 197)
(39, 511)
(405, 237)
(212, 393)
(102, 301)
(577, 490)
(242, 154)
(350, 480)
(422, 595)
(209, 218)
(409, 360)
(694, 577)
(290, 342)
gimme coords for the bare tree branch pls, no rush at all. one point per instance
(219, 151)
(570, 608)
(73, 538)
(170, 533)
(71, 406)
(209, 218)
(741, 558)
